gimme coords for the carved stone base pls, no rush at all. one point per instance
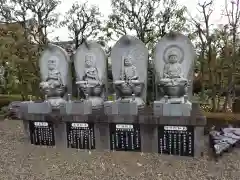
(110, 107)
(121, 107)
(97, 102)
(77, 108)
(138, 100)
(179, 136)
(39, 108)
(56, 102)
(167, 109)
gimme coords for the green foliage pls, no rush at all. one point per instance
(19, 58)
(22, 39)
(5, 100)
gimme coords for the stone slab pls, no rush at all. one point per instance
(167, 109)
(120, 108)
(157, 108)
(149, 138)
(199, 141)
(127, 108)
(77, 108)
(148, 134)
(110, 108)
(39, 108)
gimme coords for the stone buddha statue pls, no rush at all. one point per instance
(129, 82)
(53, 86)
(129, 71)
(53, 79)
(172, 73)
(90, 71)
(173, 84)
(91, 85)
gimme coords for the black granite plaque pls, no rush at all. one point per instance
(42, 133)
(125, 137)
(176, 140)
(80, 135)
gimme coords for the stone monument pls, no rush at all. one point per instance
(129, 59)
(127, 125)
(174, 64)
(56, 82)
(91, 79)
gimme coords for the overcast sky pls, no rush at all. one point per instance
(105, 8)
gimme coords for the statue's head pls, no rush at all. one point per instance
(52, 63)
(173, 58)
(127, 60)
(89, 60)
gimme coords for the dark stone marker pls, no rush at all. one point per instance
(125, 137)
(42, 133)
(80, 135)
(176, 140)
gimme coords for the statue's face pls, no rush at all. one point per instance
(52, 64)
(89, 61)
(127, 61)
(173, 59)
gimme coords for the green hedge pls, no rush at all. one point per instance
(5, 100)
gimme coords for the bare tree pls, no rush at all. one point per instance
(233, 15)
(83, 22)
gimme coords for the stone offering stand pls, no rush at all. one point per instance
(141, 133)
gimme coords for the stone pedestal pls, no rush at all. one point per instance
(120, 107)
(168, 109)
(77, 108)
(144, 132)
(39, 108)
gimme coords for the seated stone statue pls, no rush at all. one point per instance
(173, 84)
(91, 72)
(53, 79)
(53, 87)
(91, 85)
(172, 73)
(129, 80)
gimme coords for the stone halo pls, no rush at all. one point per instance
(173, 49)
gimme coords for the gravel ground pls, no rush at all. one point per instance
(19, 161)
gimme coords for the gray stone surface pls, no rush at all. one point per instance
(77, 107)
(39, 108)
(181, 47)
(120, 107)
(60, 134)
(55, 75)
(168, 109)
(127, 108)
(110, 108)
(60, 55)
(102, 136)
(149, 138)
(90, 67)
(174, 63)
(129, 59)
(198, 141)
